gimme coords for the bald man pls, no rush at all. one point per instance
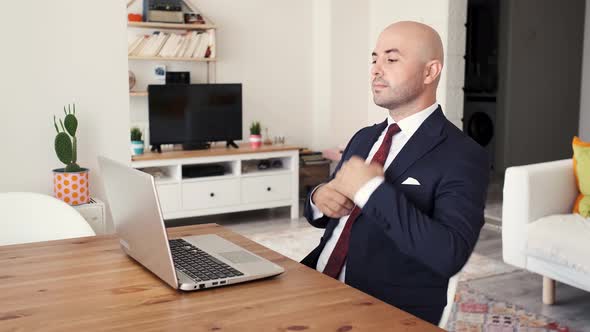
(404, 207)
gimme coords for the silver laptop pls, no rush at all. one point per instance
(189, 263)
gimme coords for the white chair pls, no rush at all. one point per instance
(539, 231)
(31, 217)
(451, 290)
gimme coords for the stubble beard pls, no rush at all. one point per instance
(392, 98)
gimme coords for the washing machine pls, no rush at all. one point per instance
(479, 121)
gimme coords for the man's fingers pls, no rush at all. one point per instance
(340, 210)
(343, 201)
(337, 204)
(329, 211)
(330, 194)
(333, 210)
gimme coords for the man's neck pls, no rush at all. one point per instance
(406, 110)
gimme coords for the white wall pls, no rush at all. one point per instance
(447, 17)
(584, 129)
(341, 70)
(305, 64)
(53, 53)
(267, 46)
(343, 101)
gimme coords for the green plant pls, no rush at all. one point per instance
(255, 128)
(66, 144)
(135, 134)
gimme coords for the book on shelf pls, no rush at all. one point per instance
(154, 44)
(316, 162)
(212, 44)
(192, 44)
(137, 48)
(133, 44)
(314, 157)
(170, 43)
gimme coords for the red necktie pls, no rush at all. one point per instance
(338, 256)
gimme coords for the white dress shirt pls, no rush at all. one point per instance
(408, 127)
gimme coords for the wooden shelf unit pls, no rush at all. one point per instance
(138, 93)
(172, 26)
(162, 58)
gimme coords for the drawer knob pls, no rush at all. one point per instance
(212, 194)
(268, 188)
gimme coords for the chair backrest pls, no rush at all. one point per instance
(32, 217)
(451, 290)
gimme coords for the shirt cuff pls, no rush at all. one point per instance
(362, 196)
(317, 214)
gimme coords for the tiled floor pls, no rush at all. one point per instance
(519, 287)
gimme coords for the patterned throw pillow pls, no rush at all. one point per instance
(582, 173)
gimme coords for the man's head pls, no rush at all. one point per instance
(407, 62)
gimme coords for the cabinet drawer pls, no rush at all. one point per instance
(199, 195)
(169, 197)
(266, 188)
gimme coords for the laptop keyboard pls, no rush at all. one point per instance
(197, 264)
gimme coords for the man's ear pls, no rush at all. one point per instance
(432, 71)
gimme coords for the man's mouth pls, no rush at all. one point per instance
(379, 85)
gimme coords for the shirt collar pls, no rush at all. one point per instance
(410, 124)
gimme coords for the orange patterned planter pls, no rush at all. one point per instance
(71, 188)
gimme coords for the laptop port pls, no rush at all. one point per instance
(201, 286)
(214, 283)
(222, 282)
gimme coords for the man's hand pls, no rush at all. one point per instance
(354, 174)
(332, 203)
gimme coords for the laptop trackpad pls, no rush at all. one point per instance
(239, 257)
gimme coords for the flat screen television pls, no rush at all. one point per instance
(195, 114)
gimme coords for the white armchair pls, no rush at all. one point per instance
(31, 217)
(539, 231)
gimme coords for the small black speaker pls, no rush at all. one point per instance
(178, 77)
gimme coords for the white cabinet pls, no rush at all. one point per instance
(266, 188)
(243, 186)
(169, 197)
(209, 194)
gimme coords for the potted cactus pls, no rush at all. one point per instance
(70, 184)
(136, 142)
(255, 137)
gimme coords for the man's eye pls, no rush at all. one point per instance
(391, 60)
(373, 61)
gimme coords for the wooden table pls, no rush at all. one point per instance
(90, 284)
(214, 151)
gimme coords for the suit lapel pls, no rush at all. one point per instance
(428, 135)
(369, 140)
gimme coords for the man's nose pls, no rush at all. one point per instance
(376, 70)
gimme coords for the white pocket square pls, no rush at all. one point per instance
(411, 181)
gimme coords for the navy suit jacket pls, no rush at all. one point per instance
(410, 239)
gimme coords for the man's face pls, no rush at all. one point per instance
(397, 72)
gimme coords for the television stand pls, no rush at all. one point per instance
(242, 187)
(157, 148)
(230, 142)
(196, 146)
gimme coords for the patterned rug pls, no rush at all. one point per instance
(472, 311)
(476, 312)
(296, 243)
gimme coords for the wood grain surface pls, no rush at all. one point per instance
(89, 284)
(214, 151)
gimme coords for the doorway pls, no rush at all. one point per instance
(523, 62)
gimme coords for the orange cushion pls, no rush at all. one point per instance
(582, 173)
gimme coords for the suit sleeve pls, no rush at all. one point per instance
(322, 222)
(445, 240)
